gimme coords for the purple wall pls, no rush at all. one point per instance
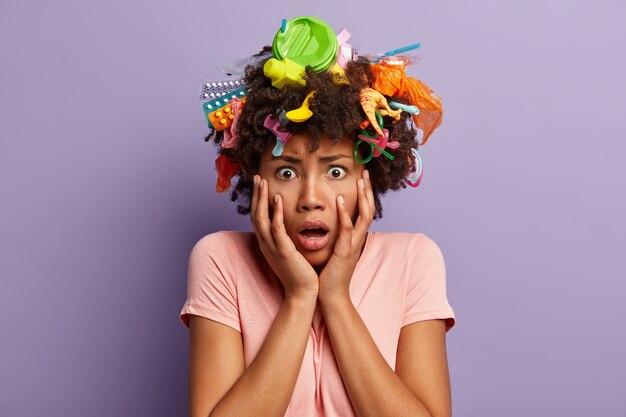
(106, 184)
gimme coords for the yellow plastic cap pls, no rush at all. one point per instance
(283, 72)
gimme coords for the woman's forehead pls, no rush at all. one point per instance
(300, 145)
(297, 151)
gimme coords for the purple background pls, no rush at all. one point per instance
(106, 184)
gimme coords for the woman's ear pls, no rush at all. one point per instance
(409, 163)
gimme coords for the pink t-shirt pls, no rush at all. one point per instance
(399, 279)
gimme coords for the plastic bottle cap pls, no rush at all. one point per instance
(273, 67)
(283, 72)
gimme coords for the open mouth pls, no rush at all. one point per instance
(313, 235)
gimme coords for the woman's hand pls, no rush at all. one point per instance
(334, 280)
(294, 271)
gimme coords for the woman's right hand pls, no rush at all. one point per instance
(294, 271)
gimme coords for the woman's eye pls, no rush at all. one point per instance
(337, 173)
(285, 173)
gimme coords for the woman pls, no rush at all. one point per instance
(311, 314)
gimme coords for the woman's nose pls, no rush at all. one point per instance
(311, 196)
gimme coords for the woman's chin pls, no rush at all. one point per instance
(318, 258)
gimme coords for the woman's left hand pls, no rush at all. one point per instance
(334, 280)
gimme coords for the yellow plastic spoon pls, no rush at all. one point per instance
(302, 113)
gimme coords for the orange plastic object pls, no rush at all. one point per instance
(391, 80)
(222, 118)
(226, 170)
(372, 101)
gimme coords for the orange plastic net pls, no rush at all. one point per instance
(391, 80)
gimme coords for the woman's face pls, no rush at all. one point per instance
(309, 184)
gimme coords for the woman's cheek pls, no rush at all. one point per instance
(272, 190)
(352, 205)
(285, 195)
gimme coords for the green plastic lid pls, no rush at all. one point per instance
(307, 41)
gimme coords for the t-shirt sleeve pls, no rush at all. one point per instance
(426, 297)
(211, 282)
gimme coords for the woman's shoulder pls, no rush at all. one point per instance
(406, 242)
(224, 241)
(402, 238)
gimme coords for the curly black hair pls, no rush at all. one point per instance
(337, 114)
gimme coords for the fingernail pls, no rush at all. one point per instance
(255, 179)
(367, 174)
(262, 184)
(275, 198)
(361, 183)
(341, 199)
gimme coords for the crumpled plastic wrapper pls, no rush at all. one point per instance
(230, 133)
(226, 170)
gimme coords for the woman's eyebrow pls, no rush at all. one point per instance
(332, 158)
(324, 159)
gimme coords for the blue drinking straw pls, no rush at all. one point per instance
(400, 50)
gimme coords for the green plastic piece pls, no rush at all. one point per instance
(379, 119)
(371, 154)
(307, 41)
